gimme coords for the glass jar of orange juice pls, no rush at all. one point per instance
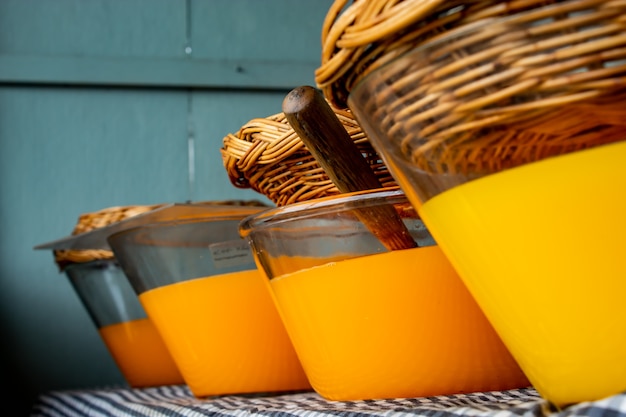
(371, 323)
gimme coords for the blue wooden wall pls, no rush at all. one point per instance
(119, 102)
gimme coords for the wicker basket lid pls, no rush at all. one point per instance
(268, 156)
(538, 79)
(360, 36)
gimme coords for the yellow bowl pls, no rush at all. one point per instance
(368, 323)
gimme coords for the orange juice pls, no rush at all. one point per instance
(542, 249)
(140, 353)
(396, 324)
(225, 334)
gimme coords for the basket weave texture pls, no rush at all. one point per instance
(523, 81)
(268, 156)
(96, 220)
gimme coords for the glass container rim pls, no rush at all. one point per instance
(313, 208)
(176, 222)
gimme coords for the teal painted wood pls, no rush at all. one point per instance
(284, 31)
(94, 28)
(194, 43)
(96, 147)
(214, 115)
(157, 73)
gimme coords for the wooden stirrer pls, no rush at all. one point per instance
(321, 131)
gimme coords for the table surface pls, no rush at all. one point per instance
(177, 400)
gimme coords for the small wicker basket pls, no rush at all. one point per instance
(523, 80)
(268, 156)
(96, 220)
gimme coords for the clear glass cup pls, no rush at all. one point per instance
(509, 136)
(199, 284)
(131, 338)
(370, 323)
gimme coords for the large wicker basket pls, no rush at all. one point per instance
(268, 156)
(538, 79)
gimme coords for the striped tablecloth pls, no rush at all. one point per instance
(178, 401)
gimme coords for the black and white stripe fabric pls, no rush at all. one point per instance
(177, 401)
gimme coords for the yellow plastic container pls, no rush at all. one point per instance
(368, 323)
(542, 249)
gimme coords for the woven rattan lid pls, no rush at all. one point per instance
(268, 156)
(354, 36)
(359, 36)
(503, 83)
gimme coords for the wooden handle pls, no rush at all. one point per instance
(321, 131)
